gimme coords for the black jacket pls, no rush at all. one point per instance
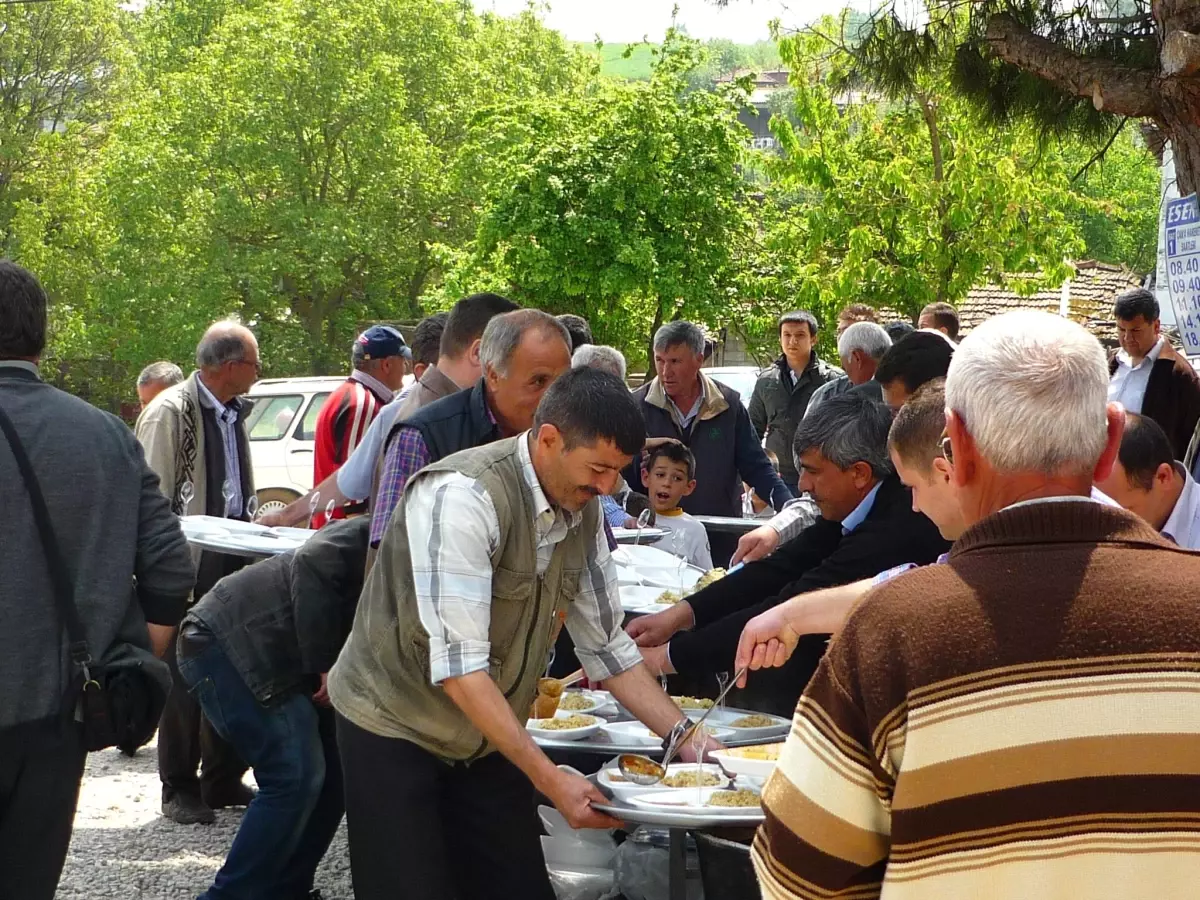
(284, 619)
(454, 423)
(776, 406)
(1172, 399)
(819, 557)
(726, 448)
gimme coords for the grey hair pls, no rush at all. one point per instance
(847, 429)
(1032, 390)
(223, 342)
(164, 373)
(503, 335)
(674, 333)
(868, 337)
(598, 356)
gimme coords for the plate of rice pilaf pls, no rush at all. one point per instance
(565, 726)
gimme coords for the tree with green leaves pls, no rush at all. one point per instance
(625, 205)
(296, 162)
(61, 67)
(899, 203)
(1083, 68)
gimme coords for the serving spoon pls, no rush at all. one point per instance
(643, 771)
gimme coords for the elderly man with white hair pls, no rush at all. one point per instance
(861, 347)
(1022, 720)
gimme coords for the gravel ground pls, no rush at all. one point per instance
(123, 849)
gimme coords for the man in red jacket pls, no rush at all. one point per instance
(381, 360)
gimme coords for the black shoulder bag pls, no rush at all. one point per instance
(118, 699)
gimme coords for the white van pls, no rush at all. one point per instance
(282, 431)
(282, 428)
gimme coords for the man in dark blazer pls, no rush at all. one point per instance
(867, 525)
(1148, 376)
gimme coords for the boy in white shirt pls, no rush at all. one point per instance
(669, 474)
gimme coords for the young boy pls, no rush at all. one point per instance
(670, 475)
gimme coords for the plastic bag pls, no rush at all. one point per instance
(580, 863)
(644, 868)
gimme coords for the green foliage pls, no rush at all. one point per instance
(295, 162)
(1115, 199)
(623, 205)
(898, 204)
(61, 67)
(719, 56)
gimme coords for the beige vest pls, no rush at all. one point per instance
(381, 681)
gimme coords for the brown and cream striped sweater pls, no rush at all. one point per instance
(1020, 722)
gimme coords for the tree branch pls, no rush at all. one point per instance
(1114, 88)
(1103, 150)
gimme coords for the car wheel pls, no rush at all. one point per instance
(274, 500)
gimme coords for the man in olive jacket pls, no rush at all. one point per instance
(781, 395)
(489, 552)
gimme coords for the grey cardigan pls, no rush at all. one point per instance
(127, 556)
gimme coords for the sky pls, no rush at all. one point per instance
(626, 21)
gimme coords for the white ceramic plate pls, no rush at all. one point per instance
(630, 534)
(202, 526)
(228, 526)
(685, 801)
(662, 577)
(630, 733)
(564, 734)
(637, 733)
(260, 543)
(611, 779)
(725, 718)
(640, 598)
(295, 534)
(741, 765)
(643, 556)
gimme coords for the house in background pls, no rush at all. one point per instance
(757, 115)
(1086, 297)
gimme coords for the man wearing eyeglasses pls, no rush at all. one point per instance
(194, 438)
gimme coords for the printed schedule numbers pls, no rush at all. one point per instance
(1183, 268)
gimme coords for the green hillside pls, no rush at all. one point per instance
(614, 63)
(722, 56)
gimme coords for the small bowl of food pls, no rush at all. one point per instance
(580, 701)
(564, 726)
(688, 704)
(758, 760)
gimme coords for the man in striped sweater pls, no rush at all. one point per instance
(1023, 721)
(380, 359)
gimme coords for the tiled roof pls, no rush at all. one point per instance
(1090, 295)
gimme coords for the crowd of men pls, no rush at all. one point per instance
(1005, 710)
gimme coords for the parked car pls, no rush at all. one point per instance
(740, 378)
(281, 429)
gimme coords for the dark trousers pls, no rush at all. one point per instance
(291, 823)
(421, 829)
(40, 772)
(185, 738)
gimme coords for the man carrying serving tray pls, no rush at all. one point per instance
(485, 554)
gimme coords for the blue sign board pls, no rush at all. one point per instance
(1183, 268)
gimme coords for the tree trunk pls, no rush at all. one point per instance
(1179, 118)
(658, 321)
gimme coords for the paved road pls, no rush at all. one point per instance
(124, 850)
